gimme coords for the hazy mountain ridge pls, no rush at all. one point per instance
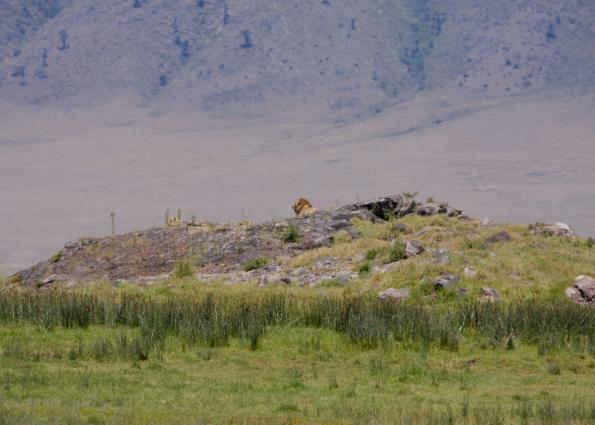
(348, 56)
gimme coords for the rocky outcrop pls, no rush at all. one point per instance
(220, 252)
(583, 291)
(400, 205)
(561, 230)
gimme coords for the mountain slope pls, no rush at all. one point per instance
(349, 57)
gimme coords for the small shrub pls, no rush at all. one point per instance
(474, 244)
(56, 257)
(396, 251)
(255, 264)
(184, 269)
(364, 268)
(342, 237)
(590, 242)
(371, 254)
(290, 235)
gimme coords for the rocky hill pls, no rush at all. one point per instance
(348, 57)
(222, 252)
(426, 248)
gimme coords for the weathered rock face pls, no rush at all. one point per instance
(583, 291)
(218, 251)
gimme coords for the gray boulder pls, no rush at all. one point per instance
(413, 248)
(583, 290)
(446, 281)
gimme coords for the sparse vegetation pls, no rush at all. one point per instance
(371, 254)
(56, 257)
(184, 269)
(396, 251)
(291, 235)
(364, 268)
(255, 264)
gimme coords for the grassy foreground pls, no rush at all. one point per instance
(188, 353)
(280, 356)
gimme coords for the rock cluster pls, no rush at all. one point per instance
(399, 206)
(553, 229)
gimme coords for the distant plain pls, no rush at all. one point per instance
(522, 159)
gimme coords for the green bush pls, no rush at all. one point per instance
(56, 257)
(364, 268)
(255, 264)
(396, 252)
(290, 235)
(371, 254)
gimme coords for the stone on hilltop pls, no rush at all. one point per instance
(561, 230)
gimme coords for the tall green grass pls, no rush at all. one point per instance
(212, 318)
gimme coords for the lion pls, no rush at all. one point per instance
(303, 208)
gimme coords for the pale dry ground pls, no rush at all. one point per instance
(61, 174)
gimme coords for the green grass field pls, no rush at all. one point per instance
(309, 375)
(185, 352)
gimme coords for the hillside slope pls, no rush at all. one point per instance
(349, 57)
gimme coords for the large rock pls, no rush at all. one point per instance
(446, 281)
(413, 248)
(502, 236)
(583, 290)
(385, 207)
